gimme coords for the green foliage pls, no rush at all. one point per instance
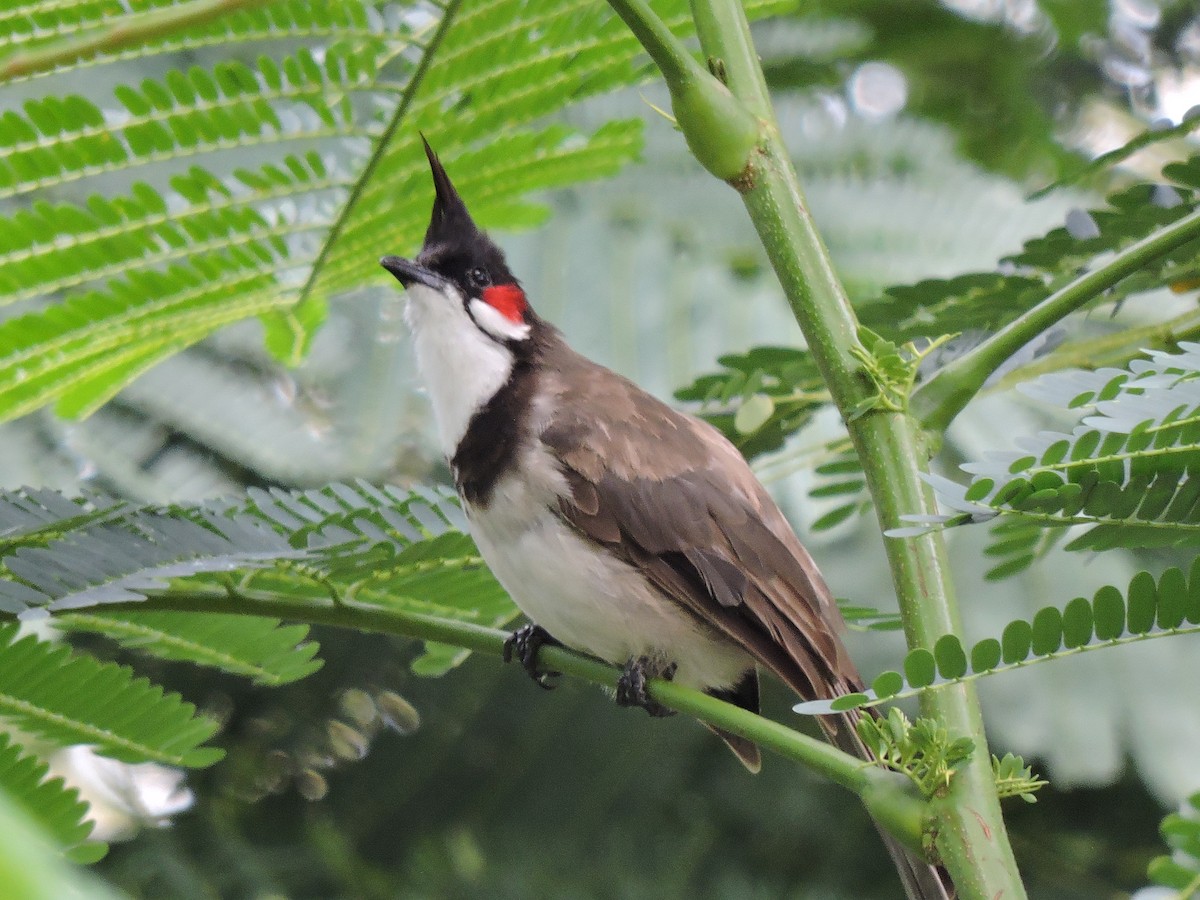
(334, 94)
(263, 650)
(989, 300)
(340, 543)
(55, 807)
(1148, 608)
(780, 385)
(1015, 779)
(1128, 470)
(891, 369)
(840, 477)
(986, 82)
(1155, 134)
(922, 750)
(68, 698)
(1181, 870)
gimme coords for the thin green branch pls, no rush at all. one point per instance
(126, 31)
(1115, 349)
(896, 803)
(936, 403)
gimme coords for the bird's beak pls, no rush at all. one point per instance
(409, 273)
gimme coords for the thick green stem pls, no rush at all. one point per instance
(720, 131)
(884, 791)
(950, 389)
(128, 30)
(970, 834)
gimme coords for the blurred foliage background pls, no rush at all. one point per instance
(919, 128)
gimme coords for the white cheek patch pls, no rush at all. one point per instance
(496, 323)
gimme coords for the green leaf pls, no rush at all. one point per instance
(70, 699)
(951, 660)
(887, 683)
(986, 654)
(753, 414)
(1172, 598)
(1143, 600)
(1077, 623)
(1047, 631)
(1109, 608)
(920, 667)
(848, 702)
(1016, 641)
(49, 801)
(263, 650)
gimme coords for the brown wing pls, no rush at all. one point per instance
(670, 495)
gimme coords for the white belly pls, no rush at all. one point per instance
(587, 598)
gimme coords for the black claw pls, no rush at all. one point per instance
(631, 686)
(527, 641)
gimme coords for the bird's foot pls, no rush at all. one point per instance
(526, 641)
(631, 686)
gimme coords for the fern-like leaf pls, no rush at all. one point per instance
(263, 650)
(989, 300)
(1130, 469)
(71, 699)
(333, 93)
(1148, 608)
(35, 516)
(1157, 133)
(760, 397)
(48, 801)
(341, 543)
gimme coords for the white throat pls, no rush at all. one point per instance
(461, 366)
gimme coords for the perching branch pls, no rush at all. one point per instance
(887, 796)
(936, 402)
(127, 30)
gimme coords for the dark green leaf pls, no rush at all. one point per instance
(1047, 631)
(1109, 607)
(1077, 623)
(985, 655)
(920, 667)
(1143, 603)
(951, 660)
(1016, 641)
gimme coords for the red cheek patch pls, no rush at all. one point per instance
(508, 300)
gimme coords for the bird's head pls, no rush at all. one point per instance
(460, 266)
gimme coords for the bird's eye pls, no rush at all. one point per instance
(479, 277)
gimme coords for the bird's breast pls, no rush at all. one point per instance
(582, 593)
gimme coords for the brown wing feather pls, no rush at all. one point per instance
(669, 494)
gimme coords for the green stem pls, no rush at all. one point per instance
(127, 30)
(881, 788)
(1109, 349)
(720, 130)
(947, 392)
(970, 834)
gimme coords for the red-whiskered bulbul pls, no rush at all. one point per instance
(621, 527)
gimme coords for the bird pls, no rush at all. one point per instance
(621, 527)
